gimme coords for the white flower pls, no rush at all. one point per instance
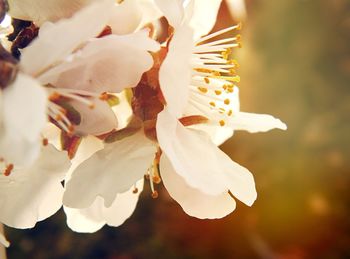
(78, 67)
(34, 193)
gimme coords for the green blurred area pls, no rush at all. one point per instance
(295, 64)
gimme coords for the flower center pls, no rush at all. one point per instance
(214, 76)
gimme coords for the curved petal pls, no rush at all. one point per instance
(93, 218)
(203, 17)
(109, 171)
(58, 40)
(104, 64)
(172, 10)
(201, 163)
(175, 72)
(97, 120)
(217, 134)
(192, 156)
(253, 122)
(194, 202)
(23, 118)
(32, 194)
(87, 220)
(123, 206)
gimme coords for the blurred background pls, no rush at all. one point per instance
(295, 64)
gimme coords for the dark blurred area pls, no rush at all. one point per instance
(295, 64)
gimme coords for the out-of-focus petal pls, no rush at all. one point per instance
(40, 11)
(110, 171)
(3, 241)
(237, 9)
(253, 122)
(194, 202)
(32, 194)
(175, 72)
(203, 17)
(104, 64)
(23, 118)
(58, 40)
(192, 156)
(97, 120)
(172, 10)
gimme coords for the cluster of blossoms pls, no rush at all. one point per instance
(94, 102)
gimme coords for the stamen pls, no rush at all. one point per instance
(8, 169)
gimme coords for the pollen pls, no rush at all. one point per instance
(222, 123)
(203, 89)
(212, 104)
(227, 101)
(218, 92)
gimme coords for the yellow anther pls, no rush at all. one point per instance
(222, 123)
(227, 101)
(218, 92)
(212, 104)
(230, 90)
(239, 26)
(232, 71)
(238, 37)
(216, 73)
(206, 80)
(229, 113)
(203, 89)
(135, 190)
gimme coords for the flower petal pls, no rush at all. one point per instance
(109, 171)
(192, 156)
(40, 11)
(253, 122)
(204, 16)
(58, 40)
(104, 64)
(97, 120)
(93, 218)
(194, 202)
(32, 194)
(175, 72)
(201, 163)
(172, 10)
(23, 118)
(126, 17)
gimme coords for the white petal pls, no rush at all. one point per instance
(23, 118)
(194, 202)
(217, 134)
(40, 11)
(104, 64)
(123, 206)
(237, 9)
(32, 194)
(253, 122)
(204, 16)
(97, 120)
(201, 163)
(175, 72)
(172, 10)
(192, 156)
(109, 171)
(93, 218)
(126, 17)
(56, 41)
(87, 220)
